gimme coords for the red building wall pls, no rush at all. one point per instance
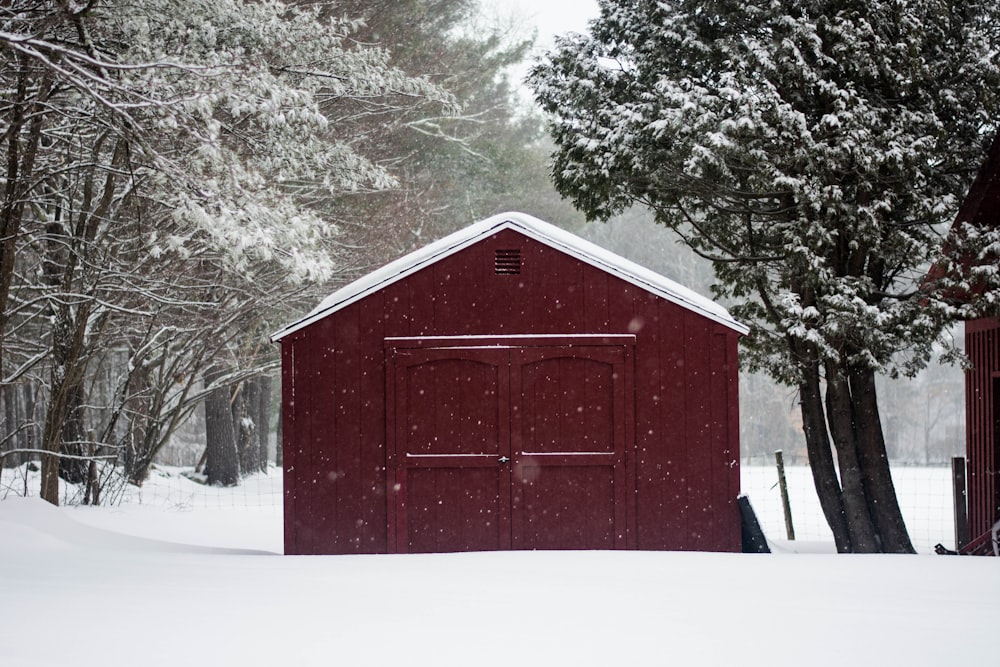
(982, 405)
(685, 442)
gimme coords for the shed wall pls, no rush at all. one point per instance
(982, 401)
(686, 450)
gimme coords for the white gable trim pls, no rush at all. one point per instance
(531, 227)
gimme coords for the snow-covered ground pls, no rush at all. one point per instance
(925, 498)
(191, 575)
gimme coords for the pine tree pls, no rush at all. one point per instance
(814, 151)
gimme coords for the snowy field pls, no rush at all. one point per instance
(925, 498)
(183, 574)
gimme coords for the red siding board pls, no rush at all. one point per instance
(594, 295)
(675, 424)
(680, 426)
(323, 429)
(371, 384)
(733, 446)
(297, 459)
(625, 306)
(291, 447)
(982, 446)
(722, 460)
(314, 392)
(698, 405)
(302, 449)
(421, 296)
(339, 483)
(395, 309)
(651, 463)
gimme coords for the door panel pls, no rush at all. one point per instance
(568, 444)
(453, 405)
(454, 509)
(450, 433)
(568, 401)
(564, 507)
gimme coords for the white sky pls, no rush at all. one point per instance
(551, 17)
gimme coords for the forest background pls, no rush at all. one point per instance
(183, 177)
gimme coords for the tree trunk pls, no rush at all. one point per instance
(244, 405)
(68, 333)
(74, 470)
(138, 454)
(841, 420)
(8, 394)
(30, 434)
(20, 167)
(883, 504)
(92, 494)
(263, 418)
(52, 439)
(820, 454)
(49, 490)
(222, 466)
(16, 425)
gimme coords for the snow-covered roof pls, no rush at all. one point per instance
(533, 228)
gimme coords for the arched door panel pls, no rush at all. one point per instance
(452, 491)
(568, 439)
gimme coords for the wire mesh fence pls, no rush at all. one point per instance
(166, 486)
(924, 492)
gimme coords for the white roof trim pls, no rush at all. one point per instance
(531, 227)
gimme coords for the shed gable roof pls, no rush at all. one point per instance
(530, 227)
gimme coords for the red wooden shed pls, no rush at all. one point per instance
(981, 208)
(511, 386)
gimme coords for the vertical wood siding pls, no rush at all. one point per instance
(982, 344)
(683, 456)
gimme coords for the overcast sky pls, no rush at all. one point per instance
(551, 17)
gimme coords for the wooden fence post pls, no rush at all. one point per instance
(780, 460)
(961, 509)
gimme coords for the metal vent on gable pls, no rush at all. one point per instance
(507, 261)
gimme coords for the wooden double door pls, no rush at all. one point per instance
(507, 446)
